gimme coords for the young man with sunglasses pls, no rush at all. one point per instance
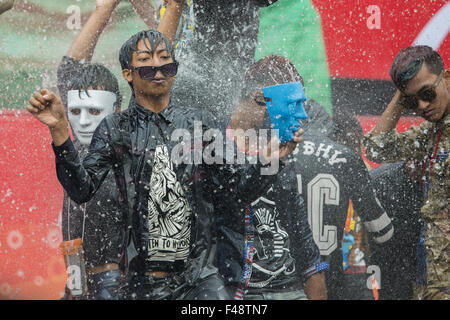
(423, 85)
(169, 206)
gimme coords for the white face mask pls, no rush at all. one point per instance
(86, 112)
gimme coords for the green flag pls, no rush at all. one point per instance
(292, 28)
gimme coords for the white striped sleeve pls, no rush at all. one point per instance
(385, 237)
(378, 224)
(382, 226)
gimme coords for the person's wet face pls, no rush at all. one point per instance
(424, 80)
(161, 84)
(250, 113)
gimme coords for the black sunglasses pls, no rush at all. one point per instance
(428, 95)
(149, 72)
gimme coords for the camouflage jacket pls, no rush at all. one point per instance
(419, 143)
(430, 143)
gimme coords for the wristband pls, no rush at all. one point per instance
(316, 268)
(322, 266)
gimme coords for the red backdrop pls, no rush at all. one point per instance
(30, 205)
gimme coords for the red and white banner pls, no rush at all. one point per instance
(362, 37)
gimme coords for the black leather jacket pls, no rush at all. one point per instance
(98, 222)
(125, 142)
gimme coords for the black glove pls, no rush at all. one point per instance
(104, 285)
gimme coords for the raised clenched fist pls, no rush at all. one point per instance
(48, 109)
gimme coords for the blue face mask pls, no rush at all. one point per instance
(285, 108)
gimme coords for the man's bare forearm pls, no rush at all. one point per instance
(315, 287)
(389, 119)
(169, 22)
(84, 44)
(145, 11)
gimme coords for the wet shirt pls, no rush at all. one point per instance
(284, 248)
(329, 176)
(430, 143)
(272, 256)
(169, 213)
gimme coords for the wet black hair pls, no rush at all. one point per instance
(154, 38)
(96, 76)
(408, 62)
(269, 71)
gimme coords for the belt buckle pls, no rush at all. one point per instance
(159, 274)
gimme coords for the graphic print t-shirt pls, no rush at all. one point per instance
(273, 264)
(329, 176)
(169, 214)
